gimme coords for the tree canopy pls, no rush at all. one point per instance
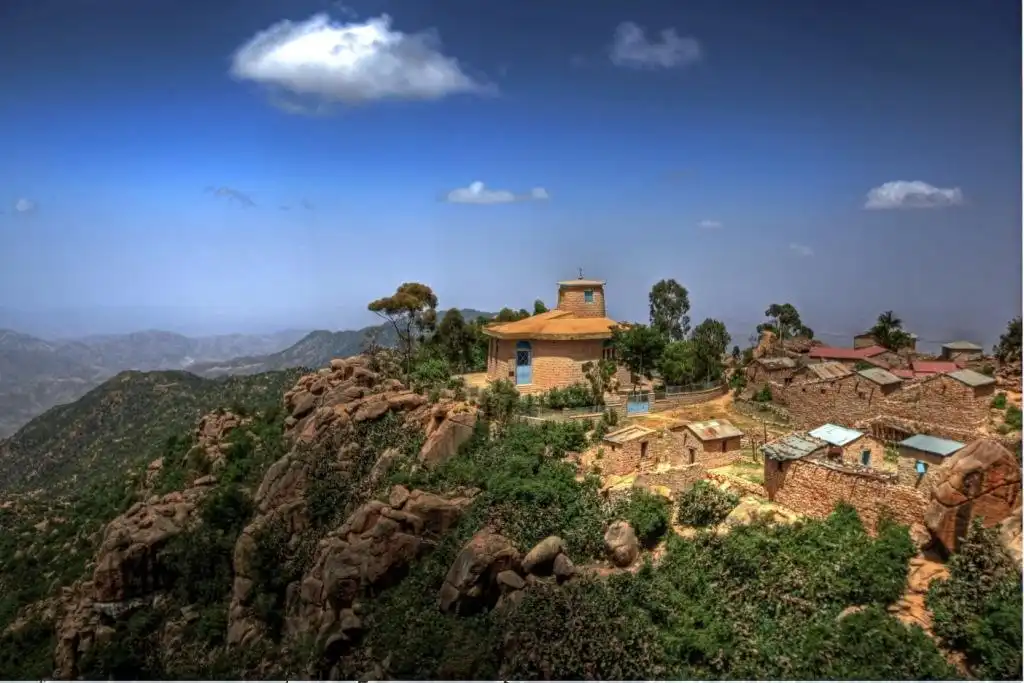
(539, 307)
(412, 310)
(639, 348)
(785, 322)
(888, 332)
(669, 310)
(1008, 350)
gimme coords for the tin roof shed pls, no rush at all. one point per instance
(792, 447)
(932, 444)
(879, 376)
(711, 430)
(972, 378)
(835, 434)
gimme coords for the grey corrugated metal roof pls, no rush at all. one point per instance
(932, 444)
(777, 363)
(714, 429)
(962, 346)
(830, 370)
(835, 435)
(972, 378)
(879, 376)
(792, 447)
(630, 433)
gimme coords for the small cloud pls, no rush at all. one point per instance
(631, 48)
(350, 63)
(307, 205)
(801, 249)
(231, 194)
(709, 224)
(477, 193)
(25, 205)
(912, 194)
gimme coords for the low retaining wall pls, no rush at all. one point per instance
(814, 490)
(769, 412)
(675, 479)
(747, 487)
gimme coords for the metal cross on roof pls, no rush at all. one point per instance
(581, 273)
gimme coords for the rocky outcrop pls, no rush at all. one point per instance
(1010, 533)
(472, 582)
(211, 438)
(369, 551)
(621, 543)
(982, 480)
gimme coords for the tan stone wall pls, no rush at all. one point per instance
(813, 489)
(631, 457)
(745, 486)
(571, 299)
(939, 400)
(852, 452)
(690, 449)
(676, 479)
(907, 472)
(555, 363)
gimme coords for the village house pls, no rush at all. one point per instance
(548, 350)
(778, 369)
(874, 355)
(848, 446)
(961, 351)
(827, 370)
(627, 451)
(715, 443)
(866, 339)
(918, 454)
(925, 368)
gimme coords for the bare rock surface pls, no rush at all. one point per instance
(621, 543)
(472, 581)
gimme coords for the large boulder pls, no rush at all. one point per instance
(621, 543)
(541, 559)
(982, 480)
(472, 581)
(1010, 533)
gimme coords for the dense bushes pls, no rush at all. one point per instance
(705, 505)
(978, 609)
(649, 515)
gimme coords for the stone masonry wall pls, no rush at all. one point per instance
(743, 485)
(852, 451)
(939, 400)
(571, 299)
(676, 479)
(555, 363)
(906, 469)
(813, 489)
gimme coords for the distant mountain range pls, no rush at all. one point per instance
(38, 374)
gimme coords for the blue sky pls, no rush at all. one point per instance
(166, 165)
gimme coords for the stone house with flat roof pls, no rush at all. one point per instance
(548, 350)
(919, 455)
(713, 443)
(962, 351)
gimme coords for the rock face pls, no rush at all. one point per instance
(1010, 533)
(370, 550)
(472, 582)
(982, 480)
(621, 543)
(211, 436)
(324, 409)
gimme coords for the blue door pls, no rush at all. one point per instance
(638, 403)
(524, 363)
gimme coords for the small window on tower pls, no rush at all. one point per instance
(588, 296)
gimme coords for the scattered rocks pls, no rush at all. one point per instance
(472, 581)
(621, 543)
(541, 558)
(563, 567)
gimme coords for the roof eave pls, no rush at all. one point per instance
(571, 336)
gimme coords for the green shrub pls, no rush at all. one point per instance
(578, 395)
(705, 505)
(500, 401)
(27, 653)
(648, 513)
(764, 394)
(977, 610)
(999, 401)
(1013, 417)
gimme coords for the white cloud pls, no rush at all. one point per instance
(24, 205)
(801, 249)
(478, 193)
(351, 63)
(231, 194)
(709, 224)
(912, 194)
(631, 48)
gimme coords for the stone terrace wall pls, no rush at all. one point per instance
(676, 479)
(743, 485)
(814, 489)
(940, 400)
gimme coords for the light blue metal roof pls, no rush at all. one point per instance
(932, 444)
(792, 447)
(836, 435)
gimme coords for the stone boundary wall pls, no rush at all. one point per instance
(747, 487)
(812, 489)
(676, 479)
(772, 414)
(619, 406)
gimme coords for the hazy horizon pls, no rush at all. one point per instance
(213, 168)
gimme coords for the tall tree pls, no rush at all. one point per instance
(454, 340)
(678, 363)
(508, 315)
(539, 307)
(710, 340)
(785, 322)
(670, 308)
(888, 332)
(638, 348)
(1008, 350)
(412, 311)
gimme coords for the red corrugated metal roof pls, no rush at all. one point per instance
(903, 373)
(934, 367)
(845, 354)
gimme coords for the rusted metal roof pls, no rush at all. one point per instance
(836, 353)
(972, 378)
(792, 447)
(554, 324)
(879, 376)
(932, 444)
(832, 370)
(933, 367)
(777, 363)
(903, 373)
(630, 433)
(835, 434)
(714, 429)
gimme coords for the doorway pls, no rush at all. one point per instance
(524, 363)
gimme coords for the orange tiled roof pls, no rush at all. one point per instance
(554, 324)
